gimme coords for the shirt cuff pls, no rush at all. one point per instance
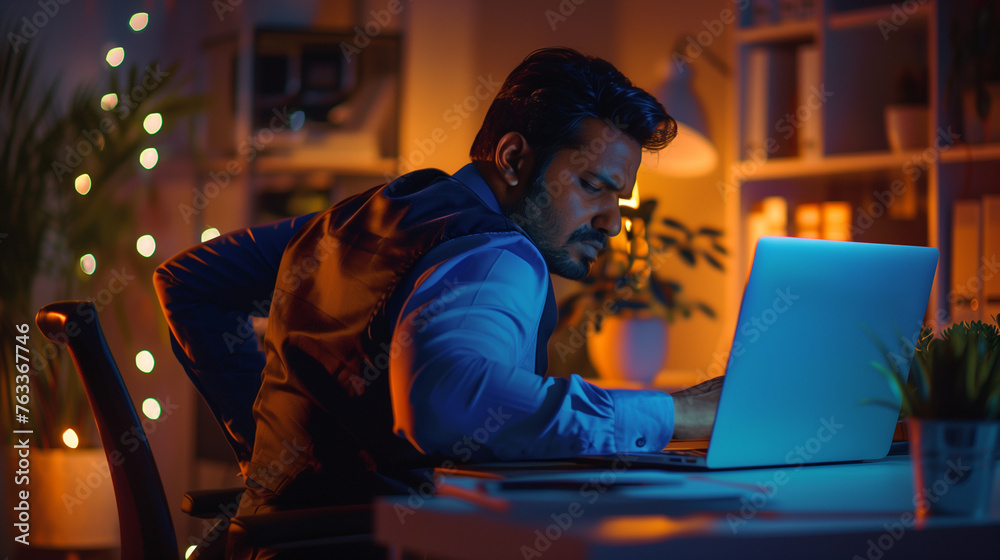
(644, 420)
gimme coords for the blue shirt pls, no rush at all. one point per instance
(462, 370)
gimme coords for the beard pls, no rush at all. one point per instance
(540, 219)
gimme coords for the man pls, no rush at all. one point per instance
(409, 323)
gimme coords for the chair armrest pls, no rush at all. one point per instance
(207, 504)
(329, 524)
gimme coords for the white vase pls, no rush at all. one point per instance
(907, 126)
(953, 463)
(628, 348)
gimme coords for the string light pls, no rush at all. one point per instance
(210, 233)
(83, 184)
(146, 245)
(88, 264)
(70, 438)
(115, 56)
(109, 101)
(152, 123)
(148, 158)
(144, 361)
(151, 408)
(138, 21)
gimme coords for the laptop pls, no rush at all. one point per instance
(800, 383)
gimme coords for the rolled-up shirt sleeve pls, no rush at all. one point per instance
(463, 381)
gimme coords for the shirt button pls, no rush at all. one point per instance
(641, 442)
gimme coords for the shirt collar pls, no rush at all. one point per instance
(470, 177)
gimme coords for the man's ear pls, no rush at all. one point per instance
(514, 159)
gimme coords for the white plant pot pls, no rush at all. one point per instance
(953, 462)
(72, 500)
(629, 348)
(907, 127)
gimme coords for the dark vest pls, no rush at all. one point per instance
(324, 417)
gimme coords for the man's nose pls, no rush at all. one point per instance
(609, 219)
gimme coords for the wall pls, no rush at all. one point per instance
(480, 42)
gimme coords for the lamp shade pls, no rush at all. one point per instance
(691, 153)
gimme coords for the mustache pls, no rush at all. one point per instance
(586, 234)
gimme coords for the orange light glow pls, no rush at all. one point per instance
(646, 528)
(634, 201)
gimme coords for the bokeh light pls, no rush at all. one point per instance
(115, 56)
(148, 158)
(138, 21)
(109, 101)
(88, 263)
(83, 184)
(151, 408)
(144, 361)
(70, 438)
(146, 245)
(152, 123)
(210, 233)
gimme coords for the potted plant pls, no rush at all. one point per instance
(973, 77)
(627, 301)
(951, 401)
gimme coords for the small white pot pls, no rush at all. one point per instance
(629, 348)
(907, 127)
(953, 463)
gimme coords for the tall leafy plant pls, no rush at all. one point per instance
(46, 224)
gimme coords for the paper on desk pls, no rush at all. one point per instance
(632, 491)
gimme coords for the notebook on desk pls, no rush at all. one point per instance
(800, 384)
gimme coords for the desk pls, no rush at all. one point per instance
(848, 511)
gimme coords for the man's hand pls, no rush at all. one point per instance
(694, 409)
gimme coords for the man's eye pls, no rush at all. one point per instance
(589, 186)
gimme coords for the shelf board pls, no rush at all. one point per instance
(787, 31)
(853, 19)
(788, 168)
(974, 152)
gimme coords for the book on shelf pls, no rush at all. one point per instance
(966, 280)
(990, 269)
(809, 79)
(769, 126)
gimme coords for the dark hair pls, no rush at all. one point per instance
(553, 90)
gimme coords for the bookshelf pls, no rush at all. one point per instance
(302, 122)
(811, 94)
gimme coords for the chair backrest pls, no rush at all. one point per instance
(147, 531)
